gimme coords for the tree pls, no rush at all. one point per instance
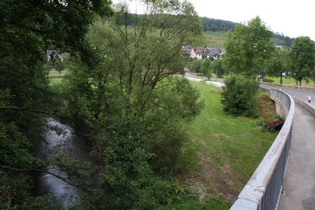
(247, 48)
(206, 67)
(218, 67)
(27, 29)
(302, 59)
(239, 96)
(277, 64)
(196, 65)
(131, 104)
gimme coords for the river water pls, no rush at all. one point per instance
(76, 147)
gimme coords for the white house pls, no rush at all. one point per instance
(196, 52)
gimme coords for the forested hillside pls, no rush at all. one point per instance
(210, 24)
(215, 29)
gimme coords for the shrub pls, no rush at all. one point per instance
(238, 96)
(128, 180)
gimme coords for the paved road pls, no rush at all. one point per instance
(299, 183)
(300, 94)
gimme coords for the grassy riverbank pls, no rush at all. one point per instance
(223, 151)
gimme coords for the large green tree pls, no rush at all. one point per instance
(302, 59)
(247, 47)
(27, 29)
(131, 104)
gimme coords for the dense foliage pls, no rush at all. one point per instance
(27, 28)
(247, 48)
(218, 68)
(210, 24)
(132, 106)
(277, 65)
(239, 96)
(302, 59)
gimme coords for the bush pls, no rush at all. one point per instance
(128, 181)
(267, 80)
(238, 96)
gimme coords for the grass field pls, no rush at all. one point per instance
(53, 81)
(223, 152)
(57, 73)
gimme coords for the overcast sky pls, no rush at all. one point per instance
(292, 18)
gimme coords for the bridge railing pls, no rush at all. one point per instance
(264, 188)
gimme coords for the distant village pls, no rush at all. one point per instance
(187, 51)
(202, 52)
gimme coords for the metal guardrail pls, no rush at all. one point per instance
(264, 188)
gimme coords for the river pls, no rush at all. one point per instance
(76, 147)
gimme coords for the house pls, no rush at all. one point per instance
(54, 55)
(214, 53)
(186, 51)
(201, 52)
(196, 52)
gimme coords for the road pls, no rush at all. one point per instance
(300, 94)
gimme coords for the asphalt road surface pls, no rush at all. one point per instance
(300, 94)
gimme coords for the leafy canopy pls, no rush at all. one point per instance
(27, 29)
(132, 105)
(302, 59)
(247, 48)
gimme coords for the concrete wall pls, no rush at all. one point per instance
(217, 84)
(194, 79)
(307, 106)
(281, 109)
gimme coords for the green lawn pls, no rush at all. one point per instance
(223, 151)
(53, 81)
(57, 73)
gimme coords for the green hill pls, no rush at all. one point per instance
(216, 39)
(215, 31)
